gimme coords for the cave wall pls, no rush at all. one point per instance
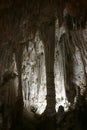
(18, 27)
(36, 69)
(34, 74)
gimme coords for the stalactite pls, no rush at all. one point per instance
(18, 56)
(6, 57)
(81, 44)
(37, 58)
(83, 51)
(67, 52)
(74, 38)
(33, 85)
(61, 98)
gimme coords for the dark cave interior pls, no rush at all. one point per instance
(34, 51)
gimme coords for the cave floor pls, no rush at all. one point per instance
(74, 119)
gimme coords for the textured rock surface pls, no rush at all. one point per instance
(34, 76)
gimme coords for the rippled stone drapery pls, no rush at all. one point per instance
(48, 37)
(34, 76)
(59, 68)
(73, 65)
(74, 48)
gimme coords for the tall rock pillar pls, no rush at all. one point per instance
(48, 37)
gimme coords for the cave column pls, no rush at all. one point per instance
(48, 36)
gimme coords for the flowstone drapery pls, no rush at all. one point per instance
(34, 74)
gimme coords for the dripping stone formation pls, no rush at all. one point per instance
(43, 65)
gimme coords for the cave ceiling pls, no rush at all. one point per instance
(16, 15)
